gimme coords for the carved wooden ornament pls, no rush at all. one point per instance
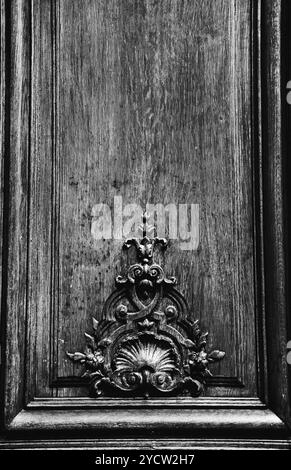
(146, 344)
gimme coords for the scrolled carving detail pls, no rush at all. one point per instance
(146, 344)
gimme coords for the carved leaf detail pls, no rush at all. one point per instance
(77, 356)
(90, 341)
(95, 324)
(202, 340)
(216, 355)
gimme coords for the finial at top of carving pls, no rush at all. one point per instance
(145, 246)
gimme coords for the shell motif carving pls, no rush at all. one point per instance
(147, 363)
(146, 344)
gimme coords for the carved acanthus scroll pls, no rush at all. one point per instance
(146, 344)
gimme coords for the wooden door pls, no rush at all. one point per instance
(136, 104)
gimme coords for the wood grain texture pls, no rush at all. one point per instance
(147, 100)
(3, 101)
(157, 422)
(140, 403)
(17, 158)
(3, 130)
(153, 103)
(273, 108)
(41, 202)
(286, 148)
(147, 444)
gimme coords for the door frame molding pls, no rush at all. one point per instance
(269, 159)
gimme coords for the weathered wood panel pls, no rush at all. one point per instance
(48, 170)
(275, 152)
(42, 182)
(154, 104)
(2, 126)
(17, 148)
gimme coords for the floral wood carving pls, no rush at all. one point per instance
(147, 344)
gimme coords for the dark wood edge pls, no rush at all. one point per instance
(274, 154)
(117, 403)
(4, 33)
(257, 197)
(214, 381)
(286, 77)
(224, 381)
(146, 444)
(2, 130)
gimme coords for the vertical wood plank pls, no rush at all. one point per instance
(17, 158)
(3, 95)
(274, 221)
(286, 75)
(41, 201)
